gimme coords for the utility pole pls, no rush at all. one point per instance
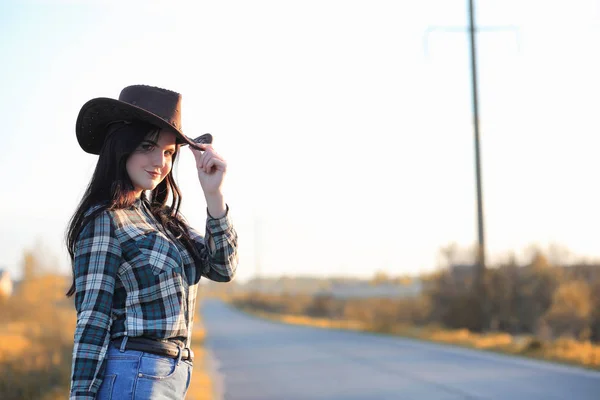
(480, 273)
(479, 292)
(479, 278)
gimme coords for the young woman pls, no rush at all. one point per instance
(136, 262)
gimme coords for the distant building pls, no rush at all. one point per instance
(341, 288)
(462, 272)
(6, 284)
(368, 290)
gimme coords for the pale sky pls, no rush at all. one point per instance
(347, 128)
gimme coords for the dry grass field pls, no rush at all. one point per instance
(36, 341)
(201, 386)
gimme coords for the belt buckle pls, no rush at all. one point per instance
(191, 353)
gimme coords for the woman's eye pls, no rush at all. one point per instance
(169, 153)
(146, 147)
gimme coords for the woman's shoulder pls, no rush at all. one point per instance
(97, 214)
(94, 210)
(96, 221)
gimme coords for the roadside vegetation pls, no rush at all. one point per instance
(37, 323)
(201, 385)
(36, 337)
(539, 310)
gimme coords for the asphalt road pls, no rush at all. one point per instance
(257, 359)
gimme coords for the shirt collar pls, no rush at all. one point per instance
(138, 203)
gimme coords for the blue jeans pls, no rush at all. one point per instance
(136, 375)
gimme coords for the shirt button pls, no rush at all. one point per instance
(140, 375)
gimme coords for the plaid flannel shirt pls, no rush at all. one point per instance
(132, 279)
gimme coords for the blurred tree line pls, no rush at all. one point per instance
(550, 296)
(36, 333)
(541, 297)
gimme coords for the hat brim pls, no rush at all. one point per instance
(97, 113)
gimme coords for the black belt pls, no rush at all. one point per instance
(161, 348)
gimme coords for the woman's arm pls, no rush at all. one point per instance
(96, 262)
(218, 248)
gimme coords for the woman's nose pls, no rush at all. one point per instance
(160, 159)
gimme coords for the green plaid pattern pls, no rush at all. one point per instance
(132, 279)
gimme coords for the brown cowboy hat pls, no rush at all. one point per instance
(160, 107)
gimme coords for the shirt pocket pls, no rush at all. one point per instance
(151, 249)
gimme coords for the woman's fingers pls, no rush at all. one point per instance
(218, 164)
(208, 159)
(215, 161)
(203, 147)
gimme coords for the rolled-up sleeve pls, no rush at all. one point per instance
(96, 262)
(218, 248)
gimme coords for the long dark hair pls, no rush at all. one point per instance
(110, 188)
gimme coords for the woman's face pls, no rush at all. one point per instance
(151, 162)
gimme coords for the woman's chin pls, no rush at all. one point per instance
(150, 186)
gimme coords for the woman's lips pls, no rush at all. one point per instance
(153, 174)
